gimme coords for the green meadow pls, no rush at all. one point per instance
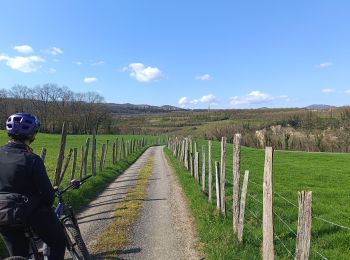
(327, 175)
(93, 186)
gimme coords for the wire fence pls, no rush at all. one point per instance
(288, 227)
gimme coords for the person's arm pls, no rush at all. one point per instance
(42, 182)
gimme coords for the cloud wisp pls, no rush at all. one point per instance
(89, 80)
(328, 90)
(204, 77)
(28, 64)
(25, 49)
(207, 99)
(55, 51)
(255, 97)
(324, 65)
(99, 63)
(142, 73)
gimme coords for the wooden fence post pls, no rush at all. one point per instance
(102, 156)
(268, 248)
(217, 184)
(242, 207)
(105, 156)
(116, 150)
(191, 157)
(75, 153)
(203, 168)
(113, 153)
(186, 154)
(43, 154)
(82, 162)
(236, 177)
(304, 225)
(66, 165)
(86, 155)
(210, 179)
(93, 153)
(60, 155)
(196, 168)
(223, 175)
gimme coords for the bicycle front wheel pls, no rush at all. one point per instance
(76, 247)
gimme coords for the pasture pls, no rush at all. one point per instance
(88, 191)
(327, 175)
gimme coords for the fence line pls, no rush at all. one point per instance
(332, 223)
(315, 217)
(321, 255)
(289, 252)
(178, 149)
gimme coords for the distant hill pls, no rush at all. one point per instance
(320, 107)
(126, 109)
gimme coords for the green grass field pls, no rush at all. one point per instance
(326, 175)
(91, 188)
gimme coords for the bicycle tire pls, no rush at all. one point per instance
(16, 258)
(77, 247)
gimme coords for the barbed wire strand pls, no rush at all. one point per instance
(291, 203)
(315, 217)
(289, 252)
(321, 255)
(251, 196)
(284, 222)
(254, 234)
(280, 218)
(254, 215)
(332, 223)
(254, 183)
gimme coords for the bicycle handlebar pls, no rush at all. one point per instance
(75, 185)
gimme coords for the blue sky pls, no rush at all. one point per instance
(194, 54)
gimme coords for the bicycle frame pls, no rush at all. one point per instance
(62, 212)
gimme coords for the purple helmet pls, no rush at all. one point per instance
(22, 124)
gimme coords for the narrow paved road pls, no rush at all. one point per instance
(164, 229)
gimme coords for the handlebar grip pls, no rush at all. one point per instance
(85, 178)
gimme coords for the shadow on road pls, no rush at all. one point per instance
(111, 254)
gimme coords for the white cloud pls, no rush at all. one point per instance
(77, 62)
(52, 70)
(325, 64)
(183, 101)
(208, 99)
(204, 77)
(142, 73)
(55, 51)
(23, 49)
(99, 63)
(24, 64)
(255, 97)
(328, 90)
(347, 91)
(194, 101)
(90, 80)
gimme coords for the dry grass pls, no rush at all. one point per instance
(115, 237)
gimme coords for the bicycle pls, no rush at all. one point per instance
(66, 215)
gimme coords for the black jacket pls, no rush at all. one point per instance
(22, 171)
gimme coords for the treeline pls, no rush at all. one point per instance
(284, 129)
(299, 130)
(55, 104)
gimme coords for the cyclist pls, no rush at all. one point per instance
(23, 172)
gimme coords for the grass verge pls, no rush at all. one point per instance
(115, 237)
(214, 231)
(87, 192)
